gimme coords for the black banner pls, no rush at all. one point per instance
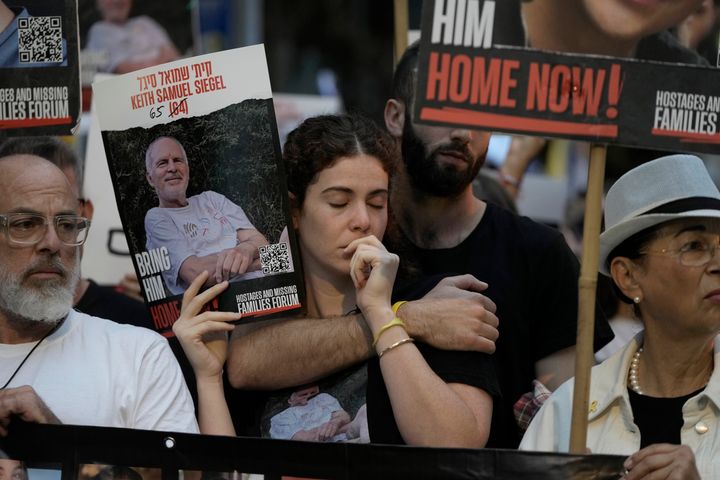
(39, 69)
(72, 448)
(468, 78)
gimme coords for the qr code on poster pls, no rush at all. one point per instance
(275, 258)
(40, 39)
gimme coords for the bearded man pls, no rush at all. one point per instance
(58, 365)
(531, 273)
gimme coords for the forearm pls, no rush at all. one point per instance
(450, 324)
(428, 411)
(213, 413)
(414, 315)
(340, 418)
(194, 266)
(296, 351)
(252, 240)
(306, 435)
(522, 151)
(250, 243)
(169, 52)
(553, 370)
(253, 253)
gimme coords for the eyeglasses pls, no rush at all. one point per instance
(694, 252)
(30, 228)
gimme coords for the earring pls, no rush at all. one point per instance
(636, 300)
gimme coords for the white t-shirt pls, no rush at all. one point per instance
(207, 225)
(625, 329)
(92, 371)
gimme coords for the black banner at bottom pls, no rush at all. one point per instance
(65, 452)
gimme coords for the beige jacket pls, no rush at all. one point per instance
(611, 429)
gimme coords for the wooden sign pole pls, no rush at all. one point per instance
(400, 9)
(586, 300)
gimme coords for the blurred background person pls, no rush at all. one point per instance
(127, 44)
(603, 27)
(700, 31)
(625, 325)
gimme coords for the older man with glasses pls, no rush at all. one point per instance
(103, 301)
(58, 365)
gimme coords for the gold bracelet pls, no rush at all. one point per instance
(396, 344)
(395, 322)
(396, 306)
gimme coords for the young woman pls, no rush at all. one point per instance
(339, 170)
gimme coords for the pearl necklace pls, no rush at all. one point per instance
(634, 379)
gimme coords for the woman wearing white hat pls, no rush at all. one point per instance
(658, 399)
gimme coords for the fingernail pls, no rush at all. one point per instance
(627, 464)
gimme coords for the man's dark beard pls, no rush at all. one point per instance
(430, 176)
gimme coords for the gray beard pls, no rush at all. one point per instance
(48, 302)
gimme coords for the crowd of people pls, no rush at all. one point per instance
(434, 317)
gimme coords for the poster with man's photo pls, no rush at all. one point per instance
(39, 68)
(632, 73)
(193, 153)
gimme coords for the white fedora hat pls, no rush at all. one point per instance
(664, 189)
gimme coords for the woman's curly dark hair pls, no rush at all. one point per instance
(318, 142)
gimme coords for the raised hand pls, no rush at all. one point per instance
(454, 315)
(372, 269)
(25, 404)
(203, 336)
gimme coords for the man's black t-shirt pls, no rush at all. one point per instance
(532, 277)
(106, 302)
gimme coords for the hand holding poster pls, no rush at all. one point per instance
(194, 156)
(605, 71)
